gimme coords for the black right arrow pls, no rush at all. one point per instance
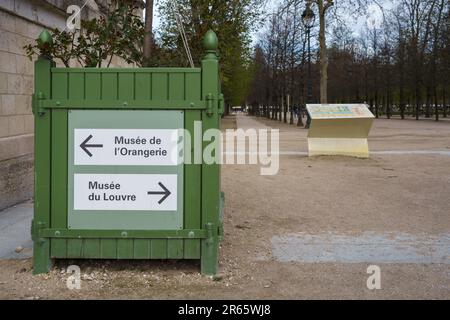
(165, 192)
(84, 145)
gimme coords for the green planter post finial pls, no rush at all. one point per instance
(210, 43)
(46, 37)
(45, 42)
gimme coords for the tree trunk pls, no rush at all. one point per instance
(428, 106)
(376, 105)
(323, 53)
(301, 101)
(444, 104)
(409, 106)
(417, 111)
(366, 91)
(402, 106)
(300, 118)
(290, 109)
(388, 105)
(402, 100)
(273, 109)
(148, 37)
(436, 104)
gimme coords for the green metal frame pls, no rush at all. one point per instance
(58, 90)
(136, 234)
(124, 105)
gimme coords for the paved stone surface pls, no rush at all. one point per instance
(370, 247)
(15, 224)
(245, 122)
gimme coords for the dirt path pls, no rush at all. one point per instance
(310, 231)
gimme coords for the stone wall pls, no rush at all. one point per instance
(21, 21)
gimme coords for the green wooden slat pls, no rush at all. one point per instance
(59, 86)
(159, 86)
(109, 86)
(126, 86)
(193, 86)
(176, 86)
(174, 249)
(58, 248)
(93, 86)
(91, 248)
(192, 192)
(141, 249)
(192, 249)
(76, 86)
(143, 86)
(59, 180)
(59, 169)
(108, 248)
(159, 249)
(74, 248)
(125, 249)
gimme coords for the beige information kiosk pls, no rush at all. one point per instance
(339, 129)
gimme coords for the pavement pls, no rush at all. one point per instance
(15, 226)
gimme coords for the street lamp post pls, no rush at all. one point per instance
(308, 21)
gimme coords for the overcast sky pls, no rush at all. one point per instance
(374, 16)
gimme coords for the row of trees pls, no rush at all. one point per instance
(279, 61)
(400, 65)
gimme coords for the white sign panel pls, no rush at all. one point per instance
(338, 111)
(126, 147)
(150, 192)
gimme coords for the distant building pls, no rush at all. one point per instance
(21, 21)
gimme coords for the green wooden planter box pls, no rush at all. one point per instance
(83, 118)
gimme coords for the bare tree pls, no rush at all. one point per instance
(323, 6)
(397, 67)
(148, 29)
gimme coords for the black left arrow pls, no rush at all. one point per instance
(84, 145)
(165, 192)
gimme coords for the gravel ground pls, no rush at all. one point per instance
(387, 194)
